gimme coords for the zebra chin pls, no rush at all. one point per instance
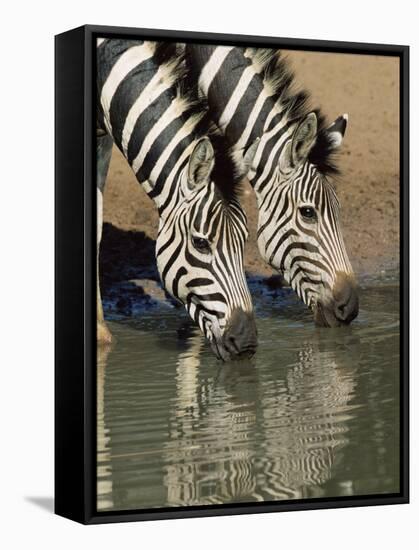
(341, 307)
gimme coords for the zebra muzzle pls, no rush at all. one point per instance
(240, 336)
(343, 306)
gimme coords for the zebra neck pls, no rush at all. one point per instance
(233, 90)
(161, 161)
(240, 99)
(142, 109)
(165, 191)
(265, 171)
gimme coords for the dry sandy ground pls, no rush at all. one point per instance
(365, 87)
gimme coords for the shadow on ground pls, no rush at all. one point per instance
(129, 280)
(46, 503)
(126, 255)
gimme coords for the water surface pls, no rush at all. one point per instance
(314, 414)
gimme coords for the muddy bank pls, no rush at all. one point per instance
(365, 87)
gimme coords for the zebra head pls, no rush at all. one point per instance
(200, 247)
(299, 230)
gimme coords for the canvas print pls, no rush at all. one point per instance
(248, 274)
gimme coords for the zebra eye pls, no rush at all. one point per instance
(308, 212)
(201, 244)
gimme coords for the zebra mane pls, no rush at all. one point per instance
(279, 83)
(227, 174)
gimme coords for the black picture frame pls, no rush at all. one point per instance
(75, 272)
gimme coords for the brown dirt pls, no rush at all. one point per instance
(365, 87)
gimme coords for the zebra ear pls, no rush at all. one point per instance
(304, 139)
(336, 131)
(201, 163)
(250, 155)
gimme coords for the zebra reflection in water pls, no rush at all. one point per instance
(103, 463)
(240, 438)
(191, 476)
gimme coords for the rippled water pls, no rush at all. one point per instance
(314, 414)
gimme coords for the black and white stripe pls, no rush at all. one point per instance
(250, 96)
(186, 170)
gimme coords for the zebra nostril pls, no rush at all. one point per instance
(231, 345)
(348, 310)
(340, 312)
(341, 307)
(345, 299)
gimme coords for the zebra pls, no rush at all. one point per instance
(251, 98)
(186, 169)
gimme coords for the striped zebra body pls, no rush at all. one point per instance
(186, 170)
(250, 98)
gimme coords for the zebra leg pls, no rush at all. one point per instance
(103, 157)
